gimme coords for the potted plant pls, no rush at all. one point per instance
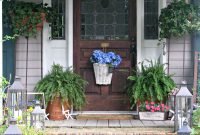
(153, 111)
(103, 64)
(178, 19)
(150, 83)
(62, 87)
(26, 18)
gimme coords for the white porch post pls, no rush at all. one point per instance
(1, 59)
(69, 7)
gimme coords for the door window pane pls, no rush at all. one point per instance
(104, 20)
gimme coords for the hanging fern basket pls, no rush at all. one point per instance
(178, 19)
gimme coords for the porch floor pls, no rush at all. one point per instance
(108, 124)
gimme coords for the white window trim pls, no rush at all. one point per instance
(152, 42)
(141, 42)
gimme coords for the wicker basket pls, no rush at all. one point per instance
(102, 75)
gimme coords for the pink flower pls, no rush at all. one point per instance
(162, 105)
(158, 108)
(152, 103)
(163, 109)
(167, 108)
(148, 107)
(152, 110)
(146, 102)
(152, 107)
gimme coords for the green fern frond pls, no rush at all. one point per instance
(150, 83)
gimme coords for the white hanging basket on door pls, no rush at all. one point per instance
(102, 75)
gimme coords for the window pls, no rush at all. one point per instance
(58, 26)
(104, 19)
(151, 19)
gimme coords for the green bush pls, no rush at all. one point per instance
(2, 129)
(25, 130)
(31, 131)
(196, 122)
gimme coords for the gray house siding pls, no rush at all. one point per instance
(176, 59)
(180, 60)
(34, 60)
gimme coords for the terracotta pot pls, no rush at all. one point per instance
(55, 109)
(40, 25)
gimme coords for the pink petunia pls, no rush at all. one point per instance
(148, 107)
(158, 108)
(163, 109)
(152, 110)
(146, 102)
(162, 105)
(167, 107)
(152, 103)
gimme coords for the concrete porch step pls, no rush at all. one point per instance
(110, 131)
(108, 124)
(104, 117)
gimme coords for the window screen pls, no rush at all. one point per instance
(151, 19)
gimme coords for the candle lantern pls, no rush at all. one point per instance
(13, 129)
(185, 129)
(183, 107)
(17, 100)
(37, 116)
(171, 102)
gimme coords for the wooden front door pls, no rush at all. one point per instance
(105, 21)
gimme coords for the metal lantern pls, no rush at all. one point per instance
(17, 99)
(185, 129)
(37, 116)
(13, 129)
(183, 108)
(171, 101)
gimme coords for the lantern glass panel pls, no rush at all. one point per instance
(38, 121)
(37, 117)
(183, 111)
(17, 100)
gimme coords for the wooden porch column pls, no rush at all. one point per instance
(1, 60)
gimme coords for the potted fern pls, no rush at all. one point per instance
(151, 84)
(62, 87)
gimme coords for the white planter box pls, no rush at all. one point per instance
(153, 115)
(102, 75)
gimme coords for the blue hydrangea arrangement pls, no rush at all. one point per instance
(101, 57)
